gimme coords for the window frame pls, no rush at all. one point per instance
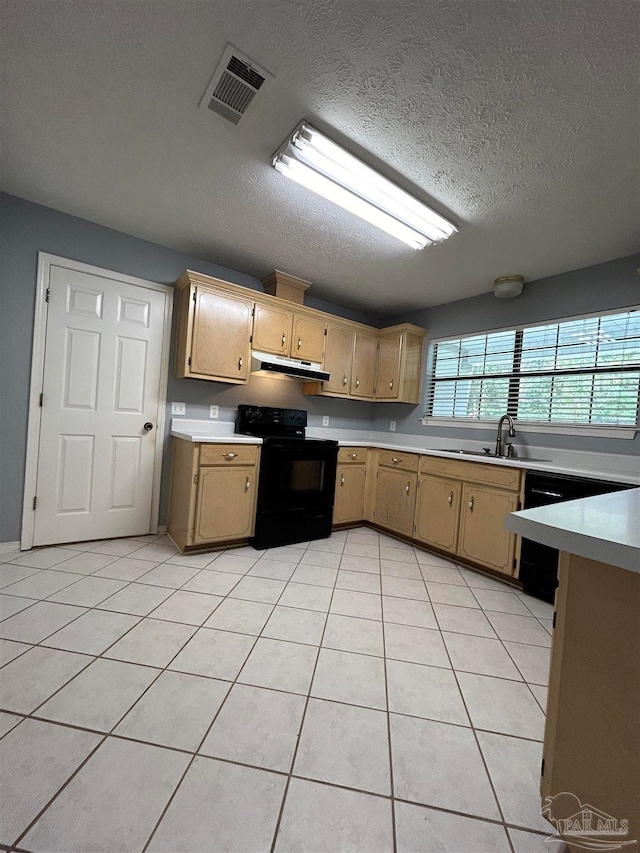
(566, 428)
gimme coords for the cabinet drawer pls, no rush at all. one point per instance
(228, 454)
(394, 459)
(352, 455)
(474, 472)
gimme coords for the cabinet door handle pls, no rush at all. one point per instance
(471, 505)
(247, 484)
(406, 488)
(357, 383)
(299, 342)
(342, 479)
(450, 499)
(395, 459)
(344, 381)
(353, 456)
(284, 339)
(229, 455)
(240, 363)
(391, 385)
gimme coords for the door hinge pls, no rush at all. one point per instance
(46, 296)
(189, 361)
(553, 624)
(250, 339)
(35, 503)
(194, 297)
(253, 311)
(41, 398)
(325, 331)
(195, 478)
(542, 768)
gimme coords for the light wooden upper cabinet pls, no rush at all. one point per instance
(438, 512)
(308, 338)
(337, 359)
(387, 380)
(220, 333)
(219, 323)
(272, 329)
(483, 536)
(363, 368)
(400, 364)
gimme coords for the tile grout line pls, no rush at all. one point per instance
(479, 748)
(276, 831)
(388, 715)
(209, 727)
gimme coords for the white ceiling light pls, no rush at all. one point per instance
(508, 286)
(313, 160)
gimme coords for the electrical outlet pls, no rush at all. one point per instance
(325, 420)
(178, 408)
(392, 426)
(214, 411)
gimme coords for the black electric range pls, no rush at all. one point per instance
(297, 477)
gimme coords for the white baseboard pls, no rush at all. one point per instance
(5, 547)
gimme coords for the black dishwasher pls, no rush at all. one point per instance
(539, 563)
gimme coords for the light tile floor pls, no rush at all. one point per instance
(352, 694)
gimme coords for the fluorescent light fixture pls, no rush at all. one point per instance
(314, 161)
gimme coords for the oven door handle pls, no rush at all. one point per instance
(546, 493)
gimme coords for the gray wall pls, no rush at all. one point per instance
(27, 228)
(599, 288)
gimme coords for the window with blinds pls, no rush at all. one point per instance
(584, 371)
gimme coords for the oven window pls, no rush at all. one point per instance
(302, 475)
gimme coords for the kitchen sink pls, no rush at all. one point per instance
(487, 455)
(465, 452)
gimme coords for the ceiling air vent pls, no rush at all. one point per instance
(233, 85)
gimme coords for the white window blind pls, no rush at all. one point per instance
(584, 371)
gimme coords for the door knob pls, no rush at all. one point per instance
(148, 426)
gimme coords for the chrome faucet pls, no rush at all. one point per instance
(512, 432)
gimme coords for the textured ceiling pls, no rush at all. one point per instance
(515, 118)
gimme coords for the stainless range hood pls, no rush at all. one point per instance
(280, 367)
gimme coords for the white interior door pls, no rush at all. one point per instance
(101, 386)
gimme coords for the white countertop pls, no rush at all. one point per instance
(605, 528)
(598, 466)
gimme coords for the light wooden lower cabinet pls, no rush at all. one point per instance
(444, 508)
(348, 505)
(225, 506)
(396, 500)
(213, 493)
(438, 512)
(483, 537)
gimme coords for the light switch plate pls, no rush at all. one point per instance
(178, 408)
(392, 426)
(214, 411)
(325, 420)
